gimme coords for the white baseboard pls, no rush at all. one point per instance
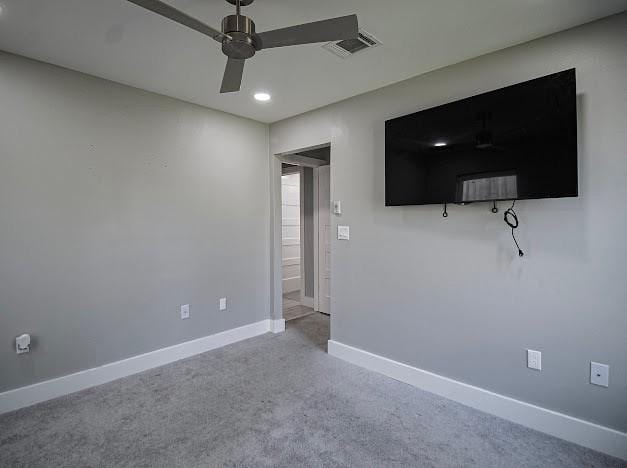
(42, 391)
(307, 301)
(277, 326)
(560, 425)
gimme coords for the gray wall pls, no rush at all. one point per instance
(117, 206)
(451, 296)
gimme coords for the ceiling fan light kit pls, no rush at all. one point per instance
(240, 41)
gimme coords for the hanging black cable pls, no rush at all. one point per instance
(512, 221)
(494, 207)
(445, 214)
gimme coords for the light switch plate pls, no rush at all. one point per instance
(599, 374)
(343, 233)
(534, 359)
(337, 207)
(223, 303)
(184, 311)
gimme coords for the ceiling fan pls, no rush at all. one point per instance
(240, 41)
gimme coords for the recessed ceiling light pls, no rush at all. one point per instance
(440, 143)
(263, 97)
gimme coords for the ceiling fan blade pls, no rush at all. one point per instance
(336, 29)
(178, 16)
(232, 79)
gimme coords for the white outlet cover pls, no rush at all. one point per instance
(184, 311)
(534, 359)
(343, 233)
(599, 374)
(223, 303)
(22, 344)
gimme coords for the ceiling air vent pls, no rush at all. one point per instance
(349, 47)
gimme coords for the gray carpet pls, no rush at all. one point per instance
(274, 400)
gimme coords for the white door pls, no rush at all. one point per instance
(324, 239)
(290, 200)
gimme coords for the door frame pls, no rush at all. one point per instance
(317, 235)
(276, 261)
(316, 223)
(301, 192)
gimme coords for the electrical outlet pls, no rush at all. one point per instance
(534, 359)
(223, 303)
(599, 374)
(22, 344)
(184, 311)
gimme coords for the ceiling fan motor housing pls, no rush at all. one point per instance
(241, 43)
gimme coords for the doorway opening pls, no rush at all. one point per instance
(294, 197)
(305, 232)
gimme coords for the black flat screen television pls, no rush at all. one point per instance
(514, 143)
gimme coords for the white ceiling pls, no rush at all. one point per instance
(119, 41)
